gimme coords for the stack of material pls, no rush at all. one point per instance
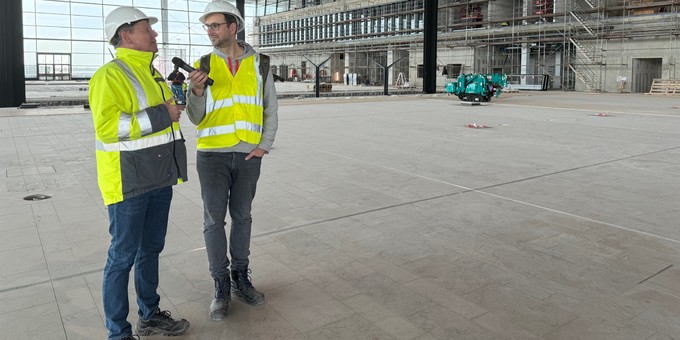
(665, 86)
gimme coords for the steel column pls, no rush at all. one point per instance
(240, 5)
(430, 47)
(12, 78)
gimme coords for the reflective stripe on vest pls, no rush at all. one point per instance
(226, 129)
(139, 144)
(237, 98)
(218, 104)
(125, 120)
(260, 87)
(248, 99)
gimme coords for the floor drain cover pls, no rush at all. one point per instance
(37, 197)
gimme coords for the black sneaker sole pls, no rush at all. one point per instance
(247, 302)
(218, 314)
(217, 317)
(156, 331)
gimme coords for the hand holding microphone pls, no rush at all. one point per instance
(181, 64)
(175, 111)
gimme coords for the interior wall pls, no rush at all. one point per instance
(621, 55)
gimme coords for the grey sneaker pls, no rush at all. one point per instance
(161, 323)
(242, 288)
(220, 304)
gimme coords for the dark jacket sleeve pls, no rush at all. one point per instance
(159, 118)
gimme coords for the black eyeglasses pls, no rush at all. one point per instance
(215, 26)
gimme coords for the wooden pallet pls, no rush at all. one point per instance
(665, 86)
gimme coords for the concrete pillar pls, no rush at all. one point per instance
(390, 72)
(526, 59)
(347, 79)
(558, 69)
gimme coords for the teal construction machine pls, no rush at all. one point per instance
(477, 87)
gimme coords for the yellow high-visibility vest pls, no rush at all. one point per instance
(138, 148)
(234, 110)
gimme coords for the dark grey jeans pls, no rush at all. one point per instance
(227, 180)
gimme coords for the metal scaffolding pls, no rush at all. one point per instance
(578, 44)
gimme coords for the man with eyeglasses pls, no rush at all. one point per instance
(236, 120)
(140, 155)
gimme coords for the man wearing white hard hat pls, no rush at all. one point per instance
(236, 120)
(140, 156)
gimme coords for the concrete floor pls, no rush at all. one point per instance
(382, 218)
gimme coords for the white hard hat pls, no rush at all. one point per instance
(219, 6)
(121, 16)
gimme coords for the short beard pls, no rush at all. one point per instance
(222, 43)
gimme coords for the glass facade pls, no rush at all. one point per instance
(64, 39)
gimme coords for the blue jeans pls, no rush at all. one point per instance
(137, 226)
(178, 93)
(227, 180)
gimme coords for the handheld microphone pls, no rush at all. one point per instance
(186, 67)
